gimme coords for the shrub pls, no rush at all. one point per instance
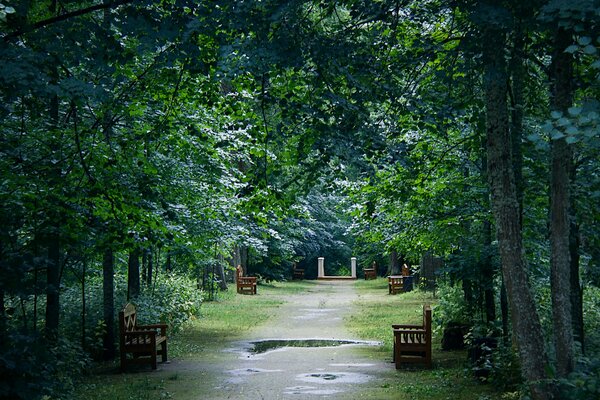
(173, 300)
(31, 367)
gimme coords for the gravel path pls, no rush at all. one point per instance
(335, 372)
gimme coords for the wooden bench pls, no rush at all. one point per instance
(405, 270)
(371, 273)
(297, 273)
(140, 341)
(245, 284)
(412, 343)
(395, 284)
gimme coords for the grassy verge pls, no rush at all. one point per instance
(222, 321)
(375, 312)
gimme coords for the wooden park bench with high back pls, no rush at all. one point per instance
(395, 284)
(405, 270)
(371, 273)
(412, 343)
(245, 284)
(140, 341)
(297, 273)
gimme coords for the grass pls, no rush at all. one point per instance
(375, 312)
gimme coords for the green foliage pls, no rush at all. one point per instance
(583, 383)
(452, 307)
(33, 367)
(173, 300)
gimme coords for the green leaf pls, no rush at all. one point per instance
(572, 139)
(572, 49)
(556, 114)
(574, 111)
(590, 49)
(556, 135)
(584, 40)
(572, 130)
(547, 127)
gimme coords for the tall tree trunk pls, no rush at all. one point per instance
(2, 305)
(108, 270)
(562, 94)
(576, 289)
(133, 274)
(145, 266)
(83, 304)
(169, 265)
(220, 272)
(52, 240)
(525, 320)
(488, 274)
(394, 263)
(150, 267)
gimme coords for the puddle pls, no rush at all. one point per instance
(263, 346)
(303, 390)
(334, 377)
(237, 375)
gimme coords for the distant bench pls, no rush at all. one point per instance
(245, 284)
(371, 273)
(297, 273)
(412, 343)
(140, 341)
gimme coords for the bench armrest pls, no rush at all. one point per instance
(153, 328)
(413, 327)
(410, 331)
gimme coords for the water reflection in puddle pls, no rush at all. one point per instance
(263, 346)
(333, 377)
(304, 390)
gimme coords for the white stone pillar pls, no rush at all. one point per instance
(321, 267)
(353, 266)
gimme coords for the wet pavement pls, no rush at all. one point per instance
(303, 353)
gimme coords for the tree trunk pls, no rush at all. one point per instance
(145, 266)
(562, 94)
(169, 265)
(133, 274)
(108, 267)
(394, 264)
(525, 320)
(220, 273)
(576, 289)
(488, 274)
(150, 267)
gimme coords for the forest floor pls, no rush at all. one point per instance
(210, 362)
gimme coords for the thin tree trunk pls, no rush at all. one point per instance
(525, 320)
(562, 94)
(145, 266)
(150, 268)
(108, 268)
(220, 273)
(133, 274)
(83, 304)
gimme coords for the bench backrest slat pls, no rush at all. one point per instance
(128, 318)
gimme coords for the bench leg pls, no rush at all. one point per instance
(163, 351)
(153, 357)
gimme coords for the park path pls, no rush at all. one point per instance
(301, 372)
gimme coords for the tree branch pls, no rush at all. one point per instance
(64, 17)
